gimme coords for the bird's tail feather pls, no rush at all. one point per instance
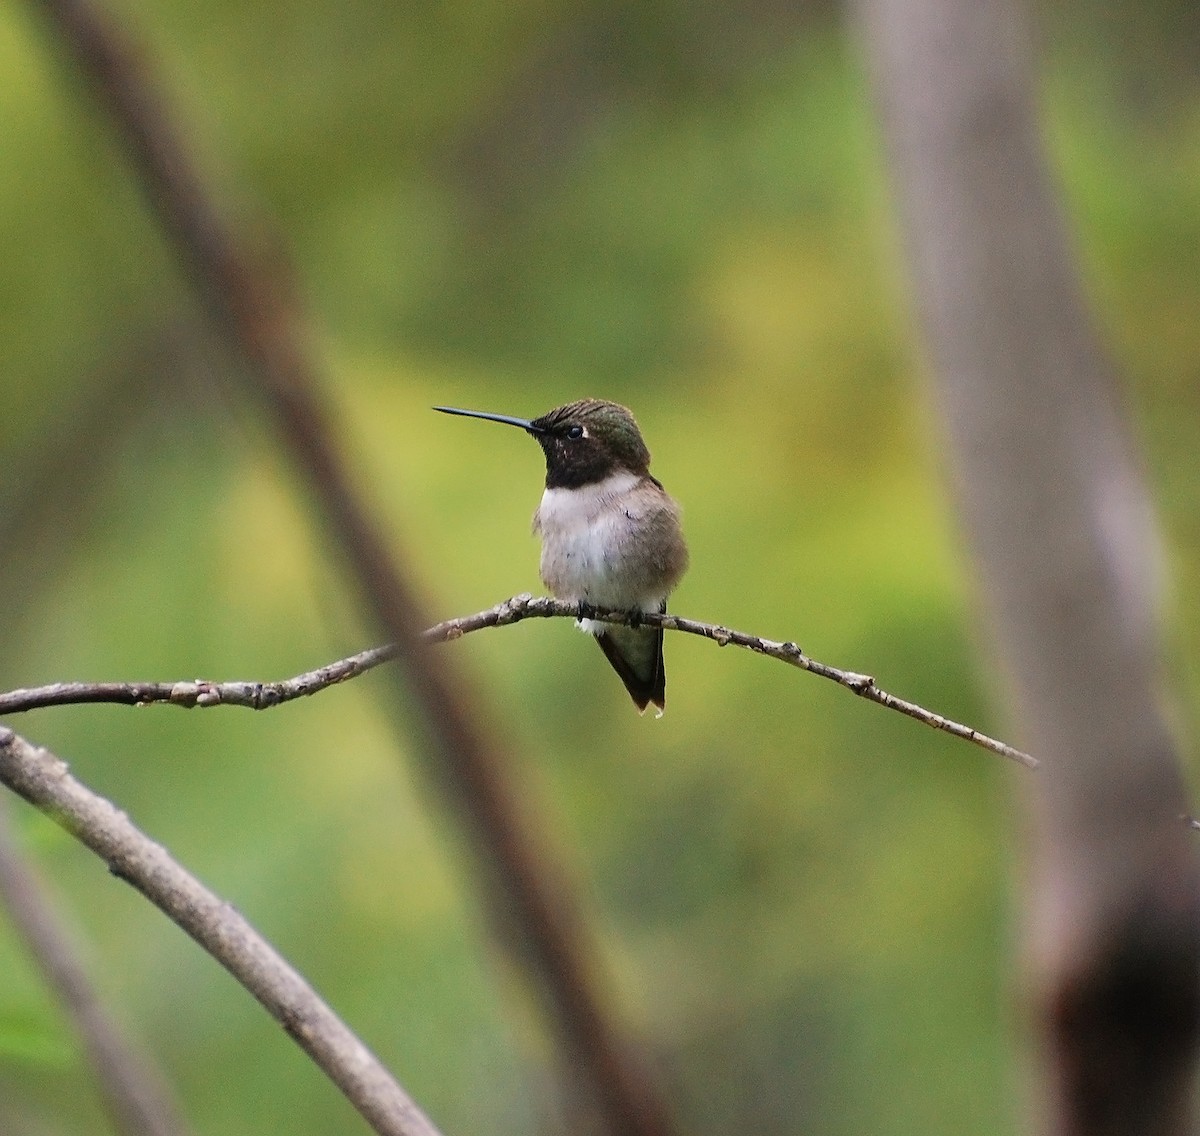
(637, 657)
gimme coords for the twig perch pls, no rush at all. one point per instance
(45, 782)
(264, 695)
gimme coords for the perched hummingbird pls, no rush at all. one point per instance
(610, 532)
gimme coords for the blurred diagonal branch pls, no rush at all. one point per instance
(47, 493)
(45, 782)
(137, 1100)
(533, 907)
(264, 695)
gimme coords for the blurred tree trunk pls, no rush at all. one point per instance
(1057, 513)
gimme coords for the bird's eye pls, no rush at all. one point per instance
(575, 433)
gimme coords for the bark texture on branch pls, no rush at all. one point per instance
(190, 693)
(1055, 507)
(44, 781)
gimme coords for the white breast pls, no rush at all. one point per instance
(587, 537)
(564, 509)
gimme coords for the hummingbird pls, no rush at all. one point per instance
(610, 533)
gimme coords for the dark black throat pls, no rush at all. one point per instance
(576, 476)
(579, 465)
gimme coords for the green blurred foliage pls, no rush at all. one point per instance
(806, 904)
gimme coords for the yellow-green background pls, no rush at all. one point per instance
(807, 904)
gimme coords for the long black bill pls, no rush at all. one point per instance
(508, 420)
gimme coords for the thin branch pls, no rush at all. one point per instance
(138, 1101)
(45, 782)
(264, 695)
